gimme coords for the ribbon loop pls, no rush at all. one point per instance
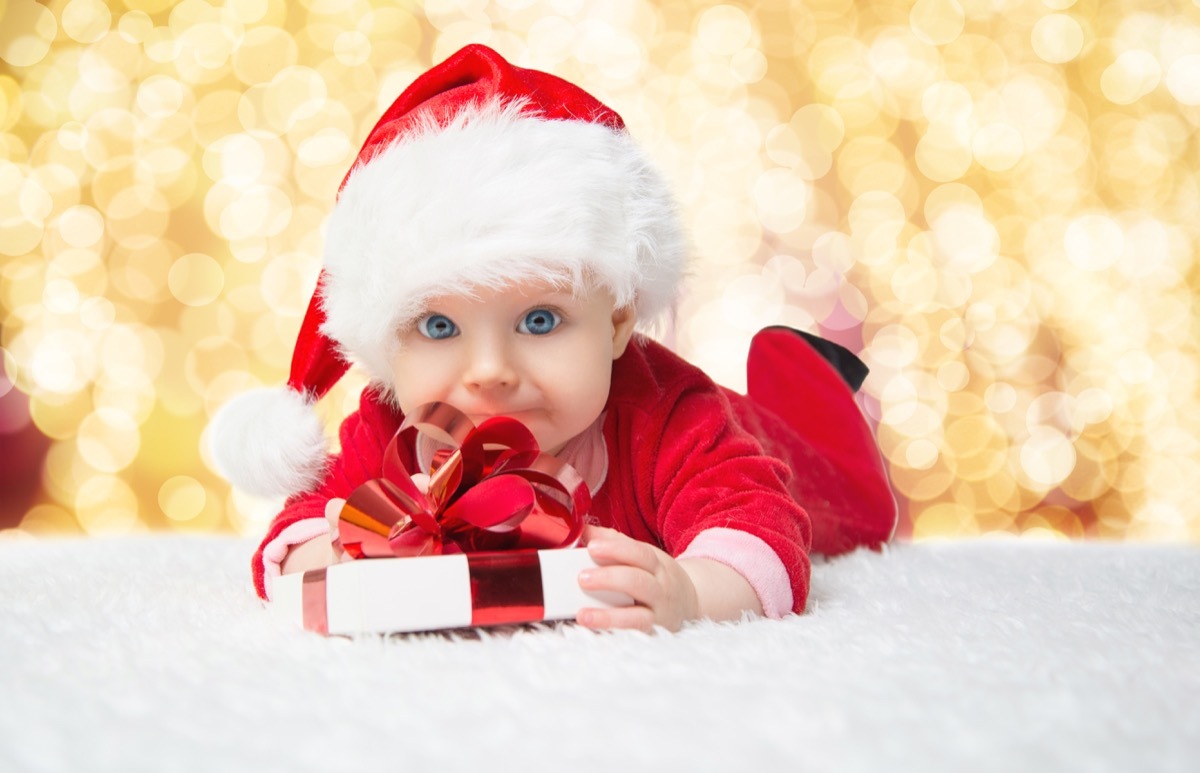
(495, 490)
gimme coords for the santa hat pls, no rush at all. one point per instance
(478, 175)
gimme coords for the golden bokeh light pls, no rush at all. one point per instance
(995, 203)
(182, 498)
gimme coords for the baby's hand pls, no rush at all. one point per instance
(662, 591)
(333, 508)
(320, 551)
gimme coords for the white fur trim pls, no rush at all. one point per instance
(269, 442)
(493, 197)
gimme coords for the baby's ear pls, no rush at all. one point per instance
(624, 319)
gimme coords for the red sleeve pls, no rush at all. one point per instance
(708, 472)
(364, 435)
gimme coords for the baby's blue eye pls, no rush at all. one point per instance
(539, 322)
(437, 327)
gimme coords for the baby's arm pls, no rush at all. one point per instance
(723, 593)
(716, 503)
(667, 592)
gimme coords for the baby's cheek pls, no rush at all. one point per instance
(420, 376)
(592, 385)
(418, 388)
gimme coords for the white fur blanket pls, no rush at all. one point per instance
(153, 654)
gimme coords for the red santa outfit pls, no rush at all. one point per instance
(482, 174)
(690, 467)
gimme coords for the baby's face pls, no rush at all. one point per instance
(531, 351)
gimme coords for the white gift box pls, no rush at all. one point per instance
(393, 595)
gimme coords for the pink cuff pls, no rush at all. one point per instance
(753, 559)
(277, 549)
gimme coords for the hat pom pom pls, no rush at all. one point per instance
(269, 442)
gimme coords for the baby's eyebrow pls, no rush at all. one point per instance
(558, 296)
(410, 323)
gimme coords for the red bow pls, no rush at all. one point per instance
(495, 490)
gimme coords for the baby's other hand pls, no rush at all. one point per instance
(319, 551)
(332, 510)
(663, 593)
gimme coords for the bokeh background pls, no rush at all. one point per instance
(995, 201)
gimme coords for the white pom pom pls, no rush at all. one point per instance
(269, 442)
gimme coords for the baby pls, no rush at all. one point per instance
(495, 246)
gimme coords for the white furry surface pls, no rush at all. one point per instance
(153, 654)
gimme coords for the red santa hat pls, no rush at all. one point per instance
(479, 174)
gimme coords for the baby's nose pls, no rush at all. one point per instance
(490, 365)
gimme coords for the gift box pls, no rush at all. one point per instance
(490, 541)
(395, 595)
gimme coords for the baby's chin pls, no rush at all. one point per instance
(558, 439)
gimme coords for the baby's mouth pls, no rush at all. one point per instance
(479, 418)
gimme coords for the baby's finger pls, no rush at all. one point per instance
(636, 583)
(635, 618)
(619, 549)
(333, 509)
(592, 531)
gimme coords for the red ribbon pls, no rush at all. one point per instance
(494, 490)
(314, 601)
(506, 588)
